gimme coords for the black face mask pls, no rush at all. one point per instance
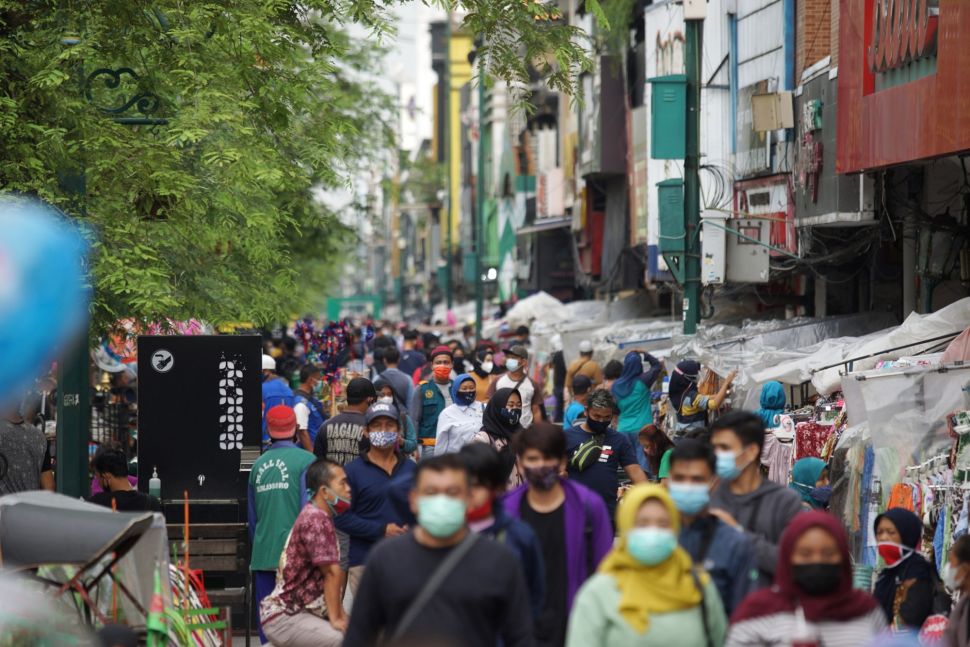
(817, 579)
(598, 426)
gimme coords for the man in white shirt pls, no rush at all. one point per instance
(517, 363)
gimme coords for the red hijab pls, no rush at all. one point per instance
(845, 603)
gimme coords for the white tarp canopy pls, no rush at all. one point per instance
(911, 335)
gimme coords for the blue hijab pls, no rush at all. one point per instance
(632, 369)
(772, 403)
(457, 383)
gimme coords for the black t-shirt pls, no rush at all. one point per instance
(339, 437)
(128, 501)
(483, 599)
(550, 528)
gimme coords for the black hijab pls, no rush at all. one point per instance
(914, 567)
(492, 421)
(682, 381)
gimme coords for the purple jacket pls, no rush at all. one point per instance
(584, 509)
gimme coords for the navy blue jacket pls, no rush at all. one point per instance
(370, 503)
(731, 560)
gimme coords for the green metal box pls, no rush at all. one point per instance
(672, 238)
(668, 117)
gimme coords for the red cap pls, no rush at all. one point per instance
(440, 350)
(281, 422)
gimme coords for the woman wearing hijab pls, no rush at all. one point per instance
(907, 585)
(811, 480)
(500, 423)
(483, 363)
(772, 403)
(691, 408)
(461, 420)
(647, 592)
(632, 393)
(812, 601)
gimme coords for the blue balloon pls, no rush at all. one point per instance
(44, 293)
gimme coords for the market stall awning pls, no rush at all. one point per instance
(38, 528)
(547, 224)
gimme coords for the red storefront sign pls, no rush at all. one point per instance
(921, 119)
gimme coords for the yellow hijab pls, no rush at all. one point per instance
(668, 586)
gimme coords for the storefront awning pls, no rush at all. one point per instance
(547, 224)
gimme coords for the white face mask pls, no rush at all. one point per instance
(488, 366)
(386, 399)
(949, 576)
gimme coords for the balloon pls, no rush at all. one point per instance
(43, 292)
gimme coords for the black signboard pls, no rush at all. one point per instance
(199, 405)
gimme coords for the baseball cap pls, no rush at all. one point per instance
(359, 389)
(269, 363)
(380, 410)
(585, 346)
(281, 422)
(519, 351)
(581, 384)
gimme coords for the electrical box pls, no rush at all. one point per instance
(668, 117)
(713, 248)
(772, 111)
(672, 239)
(695, 9)
(747, 250)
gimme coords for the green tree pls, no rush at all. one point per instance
(212, 214)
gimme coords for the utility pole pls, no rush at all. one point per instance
(692, 207)
(480, 204)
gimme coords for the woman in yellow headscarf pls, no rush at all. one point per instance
(647, 592)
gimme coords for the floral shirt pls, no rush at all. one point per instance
(299, 582)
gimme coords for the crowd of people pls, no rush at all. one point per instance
(447, 504)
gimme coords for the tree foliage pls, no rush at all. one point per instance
(211, 214)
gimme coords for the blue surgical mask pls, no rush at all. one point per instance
(441, 515)
(465, 398)
(821, 495)
(689, 498)
(727, 466)
(512, 365)
(650, 546)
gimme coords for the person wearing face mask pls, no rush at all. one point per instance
(276, 494)
(570, 520)
(811, 480)
(517, 364)
(305, 606)
(812, 601)
(431, 398)
(307, 407)
(483, 365)
(372, 516)
(596, 451)
(460, 421)
(647, 592)
(458, 356)
(486, 515)
(906, 586)
(387, 394)
(956, 577)
(500, 424)
(441, 584)
(745, 499)
(724, 553)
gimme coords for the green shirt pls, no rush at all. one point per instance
(664, 470)
(275, 490)
(596, 620)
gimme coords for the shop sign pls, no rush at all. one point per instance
(903, 31)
